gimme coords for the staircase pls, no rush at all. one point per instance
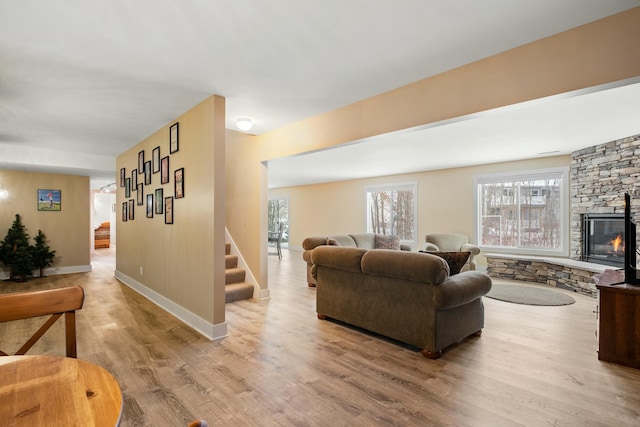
(235, 286)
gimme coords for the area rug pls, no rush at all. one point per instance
(528, 295)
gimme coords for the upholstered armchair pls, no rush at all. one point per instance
(454, 242)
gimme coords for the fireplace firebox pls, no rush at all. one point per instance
(603, 239)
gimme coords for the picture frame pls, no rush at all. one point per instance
(159, 199)
(140, 195)
(141, 161)
(123, 173)
(174, 144)
(155, 157)
(125, 213)
(178, 183)
(147, 172)
(164, 170)
(168, 210)
(130, 209)
(149, 205)
(127, 187)
(134, 179)
(49, 200)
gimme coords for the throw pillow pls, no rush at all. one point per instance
(332, 242)
(387, 242)
(456, 260)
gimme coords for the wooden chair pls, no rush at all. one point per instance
(54, 302)
(276, 237)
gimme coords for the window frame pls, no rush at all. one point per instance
(410, 185)
(529, 175)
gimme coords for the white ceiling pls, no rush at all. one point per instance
(83, 81)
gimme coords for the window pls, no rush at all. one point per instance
(392, 209)
(525, 212)
(278, 213)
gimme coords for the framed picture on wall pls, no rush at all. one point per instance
(141, 162)
(147, 172)
(134, 179)
(178, 183)
(125, 214)
(149, 205)
(127, 187)
(49, 200)
(159, 200)
(140, 195)
(131, 207)
(155, 157)
(123, 173)
(173, 138)
(168, 210)
(164, 170)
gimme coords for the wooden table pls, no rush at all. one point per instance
(51, 390)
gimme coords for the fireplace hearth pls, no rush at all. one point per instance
(603, 239)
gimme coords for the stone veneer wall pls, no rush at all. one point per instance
(562, 273)
(600, 175)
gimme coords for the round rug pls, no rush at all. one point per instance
(529, 295)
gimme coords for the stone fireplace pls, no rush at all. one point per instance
(600, 175)
(603, 239)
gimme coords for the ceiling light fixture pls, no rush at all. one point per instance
(244, 124)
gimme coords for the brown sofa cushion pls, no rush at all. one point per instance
(414, 266)
(456, 260)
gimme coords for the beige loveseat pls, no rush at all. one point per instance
(362, 240)
(406, 296)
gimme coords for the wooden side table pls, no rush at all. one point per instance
(619, 324)
(51, 390)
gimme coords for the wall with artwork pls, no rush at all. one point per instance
(56, 204)
(170, 238)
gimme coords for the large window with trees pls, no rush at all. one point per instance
(392, 210)
(525, 212)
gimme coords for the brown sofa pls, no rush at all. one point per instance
(362, 240)
(406, 296)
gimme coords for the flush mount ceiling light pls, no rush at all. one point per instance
(244, 124)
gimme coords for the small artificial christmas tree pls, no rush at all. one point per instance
(41, 254)
(15, 251)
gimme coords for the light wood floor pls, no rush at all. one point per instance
(281, 366)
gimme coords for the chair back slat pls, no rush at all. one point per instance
(54, 302)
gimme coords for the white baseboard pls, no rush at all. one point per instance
(51, 271)
(209, 330)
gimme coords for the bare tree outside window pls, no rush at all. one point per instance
(523, 212)
(391, 210)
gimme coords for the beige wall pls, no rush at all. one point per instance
(445, 200)
(576, 59)
(68, 231)
(182, 263)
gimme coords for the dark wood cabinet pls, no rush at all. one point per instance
(619, 324)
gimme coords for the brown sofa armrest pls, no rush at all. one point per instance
(461, 289)
(312, 242)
